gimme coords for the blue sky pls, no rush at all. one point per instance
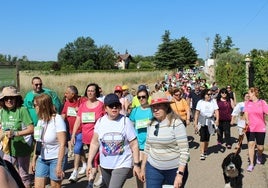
(39, 29)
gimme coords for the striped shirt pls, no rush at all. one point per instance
(167, 145)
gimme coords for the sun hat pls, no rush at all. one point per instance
(118, 88)
(9, 91)
(124, 87)
(111, 99)
(159, 97)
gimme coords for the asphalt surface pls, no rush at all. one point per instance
(207, 173)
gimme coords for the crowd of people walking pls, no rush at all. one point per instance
(142, 134)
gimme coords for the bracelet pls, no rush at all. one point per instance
(180, 173)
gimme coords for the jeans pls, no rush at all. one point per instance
(155, 178)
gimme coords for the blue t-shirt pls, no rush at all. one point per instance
(141, 118)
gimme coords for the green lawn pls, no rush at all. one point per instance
(7, 76)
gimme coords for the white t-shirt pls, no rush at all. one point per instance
(50, 148)
(114, 138)
(207, 108)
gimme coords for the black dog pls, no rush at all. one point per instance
(231, 167)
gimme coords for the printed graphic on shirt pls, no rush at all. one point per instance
(112, 144)
(88, 117)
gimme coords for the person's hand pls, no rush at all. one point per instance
(59, 172)
(187, 122)
(89, 169)
(137, 171)
(9, 133)
(72, 140)
(33, 165)
(178, 181)
(142, 175)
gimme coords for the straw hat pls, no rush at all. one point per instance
(159, 97)
(9, 92)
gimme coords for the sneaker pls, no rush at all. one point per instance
(219, 143)
(229, 146)
(73, 177)
(205, 154)
(258, 159)
(98, 182)
(202, 157)
(250, 168)
(82, 171)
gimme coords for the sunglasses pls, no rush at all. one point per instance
(156, 129)
(8, 98)
(141, 97)
(36, 85)
(223, 93)
(112, 106)
(209, 94)
(35, 105)
(177, 95)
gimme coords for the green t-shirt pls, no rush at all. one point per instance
(28, 103)
(17, 120)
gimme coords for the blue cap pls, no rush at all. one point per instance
(111, 99)
(142, 87)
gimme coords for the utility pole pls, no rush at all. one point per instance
(207, 39)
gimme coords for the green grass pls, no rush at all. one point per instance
(7, 76)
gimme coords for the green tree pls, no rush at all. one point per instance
(174, 53)
(106, 57)
(78, 52)
(221, 47)
(230, 70)
(217, 46)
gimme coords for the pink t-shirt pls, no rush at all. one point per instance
(88, 118)
(256, 111)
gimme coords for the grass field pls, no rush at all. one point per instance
(106, 80)
(7, 76)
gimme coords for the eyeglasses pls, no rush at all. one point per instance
(36, 85)
(223, 93)
(141, 97)
(112, 106)
(156, 129)
(209, 94)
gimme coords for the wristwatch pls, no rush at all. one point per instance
(137, 164)
(180, 173)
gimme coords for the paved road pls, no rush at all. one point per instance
(208, 173)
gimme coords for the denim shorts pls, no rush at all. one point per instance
(47, 168)
(78, 146)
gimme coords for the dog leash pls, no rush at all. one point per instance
(240, 139)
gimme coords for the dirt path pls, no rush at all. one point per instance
(208, 173)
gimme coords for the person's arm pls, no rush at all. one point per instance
(217, 117)
(143, 164)
(196, 116)
(93, 149)
(61, 137)
(134, 146)
(75, 128)
(6, 179)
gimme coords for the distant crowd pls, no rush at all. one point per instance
(128, 132)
